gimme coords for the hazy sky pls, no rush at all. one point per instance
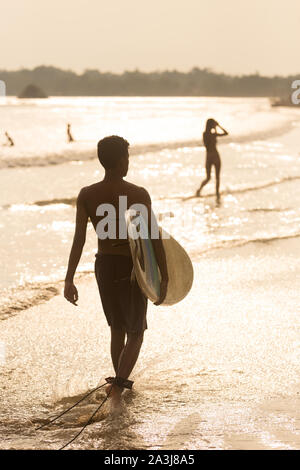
(233, 36)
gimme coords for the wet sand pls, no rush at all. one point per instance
(220, 370)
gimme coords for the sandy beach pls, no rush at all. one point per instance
(220, 370)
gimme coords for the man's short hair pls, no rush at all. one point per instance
(110, 151)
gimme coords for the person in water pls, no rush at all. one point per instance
(69, 134)
(212, 155)
(10, 142)
(123, 302)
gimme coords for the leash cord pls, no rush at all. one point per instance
(71, 407)
(112, 380)
(88, 422)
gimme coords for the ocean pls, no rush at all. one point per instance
(218, 370)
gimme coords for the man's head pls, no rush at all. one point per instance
(113, 154)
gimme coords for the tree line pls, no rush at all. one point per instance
(197, 82)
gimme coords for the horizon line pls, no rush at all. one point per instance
(157, 71)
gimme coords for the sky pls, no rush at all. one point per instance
(232, 36)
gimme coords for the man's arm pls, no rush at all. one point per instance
(70, 291)
(158, 249)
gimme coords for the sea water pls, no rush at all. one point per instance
(42, 175)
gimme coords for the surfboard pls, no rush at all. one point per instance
(179, 265)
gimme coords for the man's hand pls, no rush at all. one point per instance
(163, 291)
(70, 292)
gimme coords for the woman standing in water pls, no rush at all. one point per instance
(212, 155)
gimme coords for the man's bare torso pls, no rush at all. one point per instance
(108, 192)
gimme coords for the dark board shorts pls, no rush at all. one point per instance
(124, 304)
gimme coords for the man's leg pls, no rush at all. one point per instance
(116, 346)
(130, 354)
(127, 361)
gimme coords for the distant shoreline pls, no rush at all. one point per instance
(197, 82)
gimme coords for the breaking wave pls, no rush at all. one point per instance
(138, 149)
(14, 300)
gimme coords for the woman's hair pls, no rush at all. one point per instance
(210, 124)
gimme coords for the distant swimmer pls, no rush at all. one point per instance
(212, 155)
(9, 142)
(69, 134)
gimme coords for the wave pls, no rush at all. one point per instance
(46, 160)
(258, 187)
(71, 201)
(138, 149)
(235, 243)
(268, 209)
(272, 239)
(268, 184)
(227, 191)
(16, 299)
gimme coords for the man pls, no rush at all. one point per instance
(69, 134)
(123, 302)
(10, 142)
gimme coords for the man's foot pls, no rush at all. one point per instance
(115, 388)
(115, 395)
(197, 193)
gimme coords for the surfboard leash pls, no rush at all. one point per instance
(119, 381)
(87, 423)
(71, 407)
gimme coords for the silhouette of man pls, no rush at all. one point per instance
(69, 134)
(10, 142)
(123, 302)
